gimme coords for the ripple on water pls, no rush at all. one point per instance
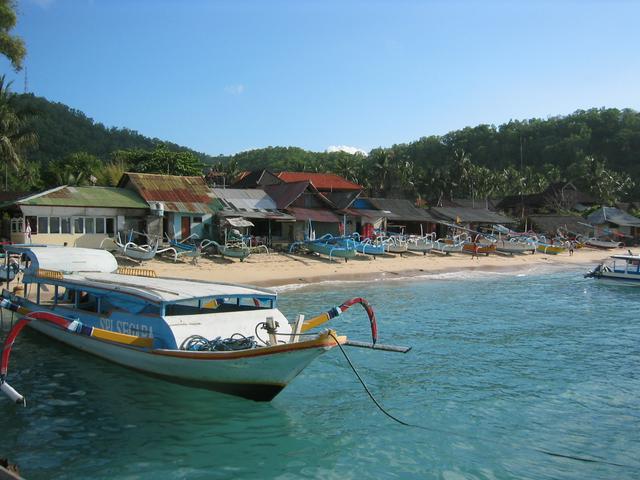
(503, 365)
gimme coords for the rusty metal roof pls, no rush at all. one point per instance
(325, 182)
(177, 193)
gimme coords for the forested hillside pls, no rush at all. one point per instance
(62, 131)
(598, 149)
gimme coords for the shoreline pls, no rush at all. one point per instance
(281, 269)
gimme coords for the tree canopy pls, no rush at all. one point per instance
(597, 149)
(11, 46)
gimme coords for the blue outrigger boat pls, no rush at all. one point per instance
(333, 247)
(223, 337)
(366, 246)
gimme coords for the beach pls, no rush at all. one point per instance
(275, 269)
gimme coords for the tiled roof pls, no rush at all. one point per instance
(109, 197)
(322, 181)
(178, 194)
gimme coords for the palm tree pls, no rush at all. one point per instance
(14, 134)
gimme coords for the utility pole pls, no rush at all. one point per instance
(26, 80)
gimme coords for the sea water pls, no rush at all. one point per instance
(504, 367)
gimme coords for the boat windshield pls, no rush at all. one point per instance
(217, 305)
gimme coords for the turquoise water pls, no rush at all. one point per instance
(502, 366)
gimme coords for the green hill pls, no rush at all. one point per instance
(62, 130)
(598, 149)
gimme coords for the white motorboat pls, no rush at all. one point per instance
(223, 337)
(621, 270)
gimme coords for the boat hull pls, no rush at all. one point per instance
(447, 248)
(369, 249)
(618, 278)
(420, 247)
(512, 247)
(396, 248)
(550, 249)
(603, 245)
(476, 248)
(332, 250)
(234, 253)
(257, 374)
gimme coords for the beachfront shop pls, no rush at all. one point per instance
(389, 215)
(180, 207)
(75, 216)
(616, 224)
(268, 224)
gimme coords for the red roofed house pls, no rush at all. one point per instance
(322, 212)
(316, 200)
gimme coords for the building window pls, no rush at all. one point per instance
(78, 225)
(100, 225)
(43, 224)
(89, 225)
(16, 225)
(111, 226)
(54, 225)
(65, 225)
(197, 219)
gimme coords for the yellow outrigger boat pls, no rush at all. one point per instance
(550, 249)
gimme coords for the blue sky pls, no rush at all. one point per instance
(227, 76)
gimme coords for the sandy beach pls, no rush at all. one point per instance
(282, 269)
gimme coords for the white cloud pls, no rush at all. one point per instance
(237, 89)
(345, 148)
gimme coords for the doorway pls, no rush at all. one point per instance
(185, 227)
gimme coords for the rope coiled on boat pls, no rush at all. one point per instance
(237, 341)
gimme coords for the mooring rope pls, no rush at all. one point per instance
(449, 432)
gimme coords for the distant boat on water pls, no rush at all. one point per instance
(621, 270)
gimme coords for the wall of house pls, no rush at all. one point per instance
(76, 226)
(321, 228)
(201, 224)
(72, 240)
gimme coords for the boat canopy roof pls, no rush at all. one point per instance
(66, 259)
(165, 290)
